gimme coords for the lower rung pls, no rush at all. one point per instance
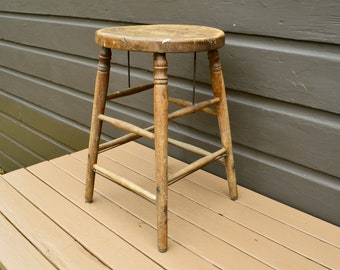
(125, 183)
(196, 166)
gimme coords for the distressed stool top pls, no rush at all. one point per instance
(161, 38)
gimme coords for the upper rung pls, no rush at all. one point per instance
(127, 126)
(129, 91)
(201, 106)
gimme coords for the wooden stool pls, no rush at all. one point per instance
(160, 39)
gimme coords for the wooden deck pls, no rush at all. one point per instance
(45, 224)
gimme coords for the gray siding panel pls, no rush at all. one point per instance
(316, 21)
(281, 66)
(305, 73)
(72, 135)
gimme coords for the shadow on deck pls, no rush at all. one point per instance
(45, 224)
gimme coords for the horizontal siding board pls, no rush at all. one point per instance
(281, 64)
(301, 135)
(258, 123)
(22, 155)
(301, 20)
(295, 72)
(58, 128)
(271, 127)
(299, 187)
(34, 141)
(50, 67)
(59, 100)
(55, 98)
(51, 33)
(7, 163)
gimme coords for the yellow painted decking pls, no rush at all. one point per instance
(45, 224)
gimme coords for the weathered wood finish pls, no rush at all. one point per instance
(129, 91)
(161, 147)
(281, 64)
(100, 93)
(217, 83)
(159, 39)
(125, 183)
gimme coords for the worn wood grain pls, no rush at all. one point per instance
(161, 38)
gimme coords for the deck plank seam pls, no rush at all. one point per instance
(137, 217)
(19, 231)
(234, 221)
(96, 219)
(259, 233)
(240, 202)
(134, 215)
(64, 230)
(196, 225)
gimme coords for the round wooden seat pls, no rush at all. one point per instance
(162, 38)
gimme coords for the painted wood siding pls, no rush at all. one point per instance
(281, 65)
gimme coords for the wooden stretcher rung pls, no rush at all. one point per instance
(127, 126)
(184, 103)
(129, 91)
(125, 183)
(195, 166)
(192, 148)
(123, 139)
(132, 136)
(190, 108)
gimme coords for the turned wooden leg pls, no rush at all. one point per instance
(218, 87)
(161, 147)
(100, 92)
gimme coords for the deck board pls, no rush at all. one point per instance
(49, 239)
(183, 232)
(276, 210)
(12, 243)
(264, 225)
(118, 230)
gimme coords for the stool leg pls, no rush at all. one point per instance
(100, 92)
(161, 147)
(218, 87)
